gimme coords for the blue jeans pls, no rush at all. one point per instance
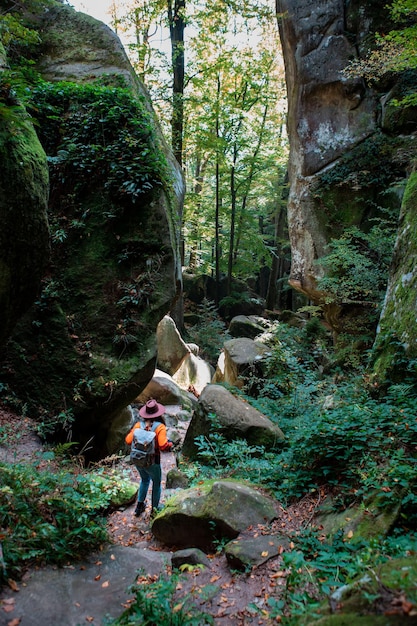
(147, 474)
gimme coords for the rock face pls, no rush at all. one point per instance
(196, 517)
(113, 210)
(395, 342)
(24, 236)
(337, 137)
(236, 419)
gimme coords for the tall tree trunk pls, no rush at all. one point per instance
(276, 266)
(142, 44)
(218, 199)
(176, 15)
(249, 182)
(200, 169)
(232, 220)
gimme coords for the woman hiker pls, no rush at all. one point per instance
(152, 413)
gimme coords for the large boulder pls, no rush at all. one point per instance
(247, 552)
(172, 349)
(180, 359)
(164, 389)
(194, 374)
(241, 359)
(365, 521)
(248, 326)
(115, 269)
(235, 419)
(198, 517)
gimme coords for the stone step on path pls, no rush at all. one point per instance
(86, 592)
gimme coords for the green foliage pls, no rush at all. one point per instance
(48, 516)
(316, 569)
(339, 434)
(394, 51)
(356, 266)
(53, 424)
(234, 301)
(98, 133)
(361, 168)
(16, 34)
(210, 333)
(234, 458)
(295, 361)
(158, 603)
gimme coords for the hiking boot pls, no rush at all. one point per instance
(140, 507)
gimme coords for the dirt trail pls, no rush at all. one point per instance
(89, 591)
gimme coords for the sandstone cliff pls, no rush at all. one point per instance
(350, 148)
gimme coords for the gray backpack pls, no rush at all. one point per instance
(142, 451)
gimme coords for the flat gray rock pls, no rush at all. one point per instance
(250, 551)
(69, 596)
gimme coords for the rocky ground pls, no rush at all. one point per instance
(232, 598)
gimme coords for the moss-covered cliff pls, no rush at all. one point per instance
(87, 346)
(24, 239)
(395, 350)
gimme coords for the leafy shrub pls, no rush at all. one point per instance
(316, 568)
(94, 132)
(50, 517)
(234, 458)
(357, 264)
(157, 603)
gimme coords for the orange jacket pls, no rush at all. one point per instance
(163, 442)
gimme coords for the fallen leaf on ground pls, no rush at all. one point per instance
(105, 584)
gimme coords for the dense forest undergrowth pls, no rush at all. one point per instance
(345, 438)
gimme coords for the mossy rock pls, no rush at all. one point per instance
(365, 521)
(121, 493)
(396, 341)
(24, 186)
(386, 596)
(214, 510)
(90, 336)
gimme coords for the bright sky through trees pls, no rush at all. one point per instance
(233, 148)
(97, 8)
